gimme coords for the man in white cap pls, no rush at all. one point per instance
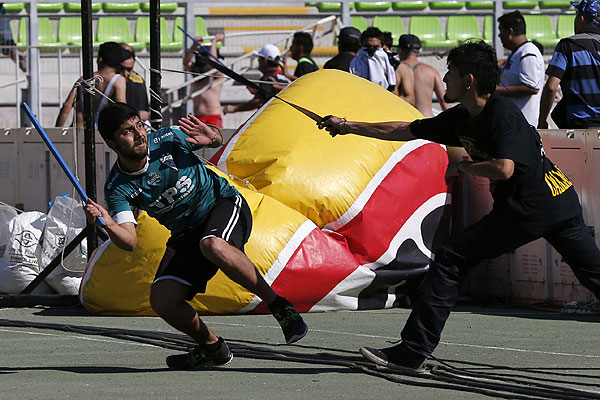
(272, 80)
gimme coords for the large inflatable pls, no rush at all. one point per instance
(338, 223)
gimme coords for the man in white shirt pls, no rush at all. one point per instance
(372, 62)
(522, 76)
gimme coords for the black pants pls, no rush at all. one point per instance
(491, 237)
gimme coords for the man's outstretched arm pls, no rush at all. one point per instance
(392, 130)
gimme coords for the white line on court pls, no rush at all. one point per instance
(445, 343)
(77, 337)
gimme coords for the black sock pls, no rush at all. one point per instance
(277, 304)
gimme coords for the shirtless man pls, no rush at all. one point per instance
(207, 105)
(426, 78)
(113, 85)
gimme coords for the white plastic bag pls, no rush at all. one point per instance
(24, 233)
(65, 220)
(6, 214)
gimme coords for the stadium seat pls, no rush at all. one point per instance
(120, 7)
(446, 5)
(429, 30)
(488, 29)
(409, 5)
(142, 34)
(564, 26)
(391, 24)
(310, 3)
(460, 28)
(164, 7)
(520, 4)
(46, 38)
(330, 6)
(200, 31)
(374, 6)
(480, 5)
(49, 7)
(359, 22)
(14, 7)
(539, 27)
(69, 31)
(555, 4)
(115, 29)
(76, 7)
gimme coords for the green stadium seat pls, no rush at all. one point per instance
(539, 27)
(69, 31)
(429, 30)
(389, 23)
(76, 7)
(168, 7)
(359, 22)
(460, 28)
(374, 6)
(201, 30)
(142, 34)
(115, 29)
(310, 4)
(446, 5)
(409, 5)
(488, 29)
(555, 4)
(330, 6)
(14, 7)
(520, 4)
(49, 7)
(480, 5)
(46, 38)
(564, 26)
(120, 7)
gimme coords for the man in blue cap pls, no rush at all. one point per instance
(574, 66)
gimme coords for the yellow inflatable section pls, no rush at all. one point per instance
(119, 282)
(285, 156)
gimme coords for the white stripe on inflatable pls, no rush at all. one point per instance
(88, 270)
(222, 162)
(412, 230)
(284, 257)
(345, 295)
(366, 194)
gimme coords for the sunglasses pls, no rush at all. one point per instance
(128, 69)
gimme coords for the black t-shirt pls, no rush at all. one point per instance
(278, 76)
(538, 192)
(305, 65)
(136, 93)
(341, 62)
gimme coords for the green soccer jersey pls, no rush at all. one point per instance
(174, 186)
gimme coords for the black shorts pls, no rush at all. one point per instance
(230, 219)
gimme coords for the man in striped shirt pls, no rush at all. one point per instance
(575, 65)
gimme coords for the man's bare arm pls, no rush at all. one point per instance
(440, 90)
(393, 130)
(123, 236)
(547, 100)
(516, 91)
(498, 169)
(66, 108)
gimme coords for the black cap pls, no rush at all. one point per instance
(349, 34)
(409, 42)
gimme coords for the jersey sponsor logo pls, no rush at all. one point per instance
(136, 78)
(110, 183)
(157, 139)
(173, 195)
(168, 161)
(153, 179)
(557, 181)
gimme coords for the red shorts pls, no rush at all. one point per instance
(214, 119)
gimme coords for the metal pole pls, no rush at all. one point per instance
(497, 43)
(33, 95)
(190, 27)
(155, 101)
(88, 115)
(346, 20)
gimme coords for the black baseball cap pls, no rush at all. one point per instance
(349, 34)
(409, 42)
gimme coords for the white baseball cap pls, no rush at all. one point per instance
(269, 51)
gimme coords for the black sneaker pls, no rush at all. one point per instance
(395, 357)
(200, 358)
(291, 322)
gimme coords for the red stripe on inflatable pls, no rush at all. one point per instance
(413, 181)
(319, 264)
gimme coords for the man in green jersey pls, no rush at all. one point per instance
(209, 222)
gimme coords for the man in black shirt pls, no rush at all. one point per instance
(348, 45)
(137, 94)
(532, 197)
(302, 45)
